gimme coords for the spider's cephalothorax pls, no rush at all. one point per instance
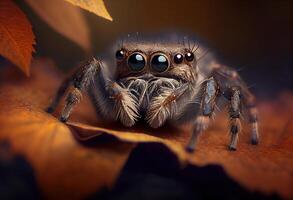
(160, 81)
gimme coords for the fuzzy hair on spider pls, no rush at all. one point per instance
(165, 79)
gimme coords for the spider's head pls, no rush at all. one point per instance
(150, 59)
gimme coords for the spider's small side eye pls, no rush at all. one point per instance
(136, 62)
(178, 58)
(189, 56)
(120, 54)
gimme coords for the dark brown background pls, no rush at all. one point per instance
(252, 36)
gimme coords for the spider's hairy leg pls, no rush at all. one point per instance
(210, 92)
(73, 98)
(61, 90)
(234, 113)
(228, 78)
(81, 80)
(250, 106)
(164, 106)
(252, 114)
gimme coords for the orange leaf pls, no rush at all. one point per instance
(65, 18)
(266, 167)
(16, 36)
(95, 6)
(64, 167)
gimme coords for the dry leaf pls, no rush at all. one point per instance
(267, 167)
(51, 148)
(16, 36)
(95, 6)
(66, 19)
(65, 168)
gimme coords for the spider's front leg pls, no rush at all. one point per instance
(208, 102)
(81, 79)
(110, 99)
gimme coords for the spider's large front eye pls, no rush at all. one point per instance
(189, 56)
(159, 63)
(136, 62)
(120, 54)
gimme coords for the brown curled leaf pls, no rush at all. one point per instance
(95, 6)
(16, 36)
(85, 132)
(267, 168)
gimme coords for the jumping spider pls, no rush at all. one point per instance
(161, 81)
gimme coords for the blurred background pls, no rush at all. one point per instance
(254, 37)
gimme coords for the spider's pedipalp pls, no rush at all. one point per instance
(125, 105)
(164, 106)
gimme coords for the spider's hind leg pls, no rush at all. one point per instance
(234, 114)
(226, 82)
(238, 94)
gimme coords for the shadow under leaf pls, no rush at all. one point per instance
(153, 172)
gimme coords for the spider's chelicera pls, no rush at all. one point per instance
(161, 82)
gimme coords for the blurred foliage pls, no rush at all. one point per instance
(252, 36)
(16, 36)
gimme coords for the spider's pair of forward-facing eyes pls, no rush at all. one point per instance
(159, 61)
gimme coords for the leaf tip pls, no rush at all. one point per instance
(108, 17)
